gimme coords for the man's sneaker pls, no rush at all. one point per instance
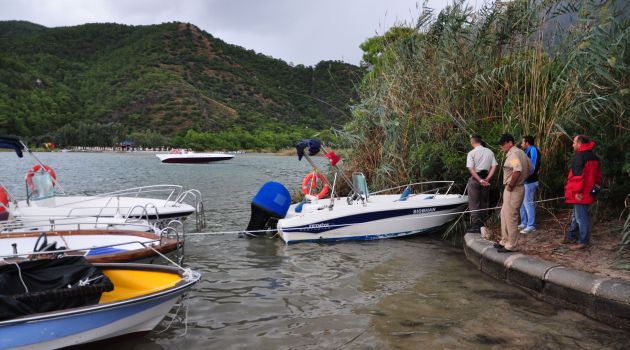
(528, 230)
(520, 227)
(569, 240)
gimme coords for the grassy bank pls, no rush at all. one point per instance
(551, 69)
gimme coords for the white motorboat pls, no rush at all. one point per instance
(190, 157)
(376, 217)
(45, 198)
(396, 212)
(114, 244)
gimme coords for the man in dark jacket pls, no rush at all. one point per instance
(528, 209)
(585, 178)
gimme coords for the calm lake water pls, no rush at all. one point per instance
(417, 293)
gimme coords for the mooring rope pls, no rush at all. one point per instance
(252, 232)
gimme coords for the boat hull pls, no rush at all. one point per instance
(102, 207)
(384, 219)
(194, 158)
(122, 245)
(92, 323)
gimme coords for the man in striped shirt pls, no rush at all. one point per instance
(528, 209)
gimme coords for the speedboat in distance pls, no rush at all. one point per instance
(182, 156)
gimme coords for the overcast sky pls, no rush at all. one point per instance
(298, 31)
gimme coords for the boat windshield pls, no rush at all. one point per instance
(42, 187)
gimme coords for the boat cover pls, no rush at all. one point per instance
(313, 147)
(53, 284)
(12, 142)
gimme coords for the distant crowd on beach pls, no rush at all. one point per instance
(520, 182)
(116, 149)
(127, 149)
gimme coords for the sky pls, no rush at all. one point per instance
(297, 31)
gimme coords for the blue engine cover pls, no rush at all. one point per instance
(274, 198)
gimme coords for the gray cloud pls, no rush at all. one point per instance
(299, 31)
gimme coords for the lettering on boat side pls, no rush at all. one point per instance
(424, 210)
(316, 226)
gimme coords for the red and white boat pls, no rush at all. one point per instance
(189, 157)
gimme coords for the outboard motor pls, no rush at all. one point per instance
(271, 202)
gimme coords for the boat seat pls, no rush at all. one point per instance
(405, 194)
(298, 208)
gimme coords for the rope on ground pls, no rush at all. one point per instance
(252, 232)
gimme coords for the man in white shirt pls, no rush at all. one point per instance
(481, 164)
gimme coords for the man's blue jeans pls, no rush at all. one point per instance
(528, 209)
(580, 224)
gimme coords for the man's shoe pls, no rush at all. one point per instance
(579, 246)
(568, 240)
(505, 250)
(498, 245)
(520, 227)
(528, 230)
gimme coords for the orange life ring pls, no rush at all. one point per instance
(313, 184)
(4, 200)
(36, 168)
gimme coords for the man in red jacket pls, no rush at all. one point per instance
(585, 178)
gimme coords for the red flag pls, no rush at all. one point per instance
(334, 159)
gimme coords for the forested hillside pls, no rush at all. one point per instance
(551, 69)
(97, 84)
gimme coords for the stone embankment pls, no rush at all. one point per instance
(599, 297)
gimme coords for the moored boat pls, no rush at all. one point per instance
(381, 216)
(50, 304)
(96, 245)
(361, 215)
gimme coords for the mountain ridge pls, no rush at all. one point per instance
(168, 78)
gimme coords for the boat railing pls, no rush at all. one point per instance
(447, 185)
(171, 192)
(76, 212)
(74, 223)
(180, 197)
(171, 231)
(144, 212)
(200, 214)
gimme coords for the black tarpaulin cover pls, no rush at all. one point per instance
(12, 142)
(312, 145)
(53, 284)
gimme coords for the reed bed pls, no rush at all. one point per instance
(551, 69)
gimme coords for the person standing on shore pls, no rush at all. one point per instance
(481, 164)
(528, 209)
(583, 183)
(515, 170)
